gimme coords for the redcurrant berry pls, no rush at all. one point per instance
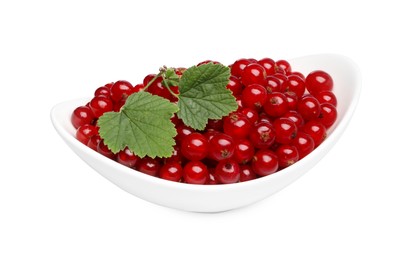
(148, 166)
(195, 172)
(99, 105)
(292, 100)
(316, 130)
(318, 81)
(182, 132)
(295, 117)
(120, 90)
(102, 91)
(221, 146)
(294, 84)
(171, 171)
(251, 114)
(85, 132)
(238, 66)
(94, 141)
(253, 74)
(273, 84)
(326, 97)
(268, 64)
(127, 158)
(285, 130)
(265, 162)
(328, 115)
(227, 171)
(309, 107)
(81, 116)
(104, 150)
(246, 173)
(237, 125)
(284, 65)
(276, 104)
(194, 147)
(235, 86)
(287, 155)
(254, 96)
(244, 151)
(263, 135)
(304, 144)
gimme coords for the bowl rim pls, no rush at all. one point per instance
(64, 107)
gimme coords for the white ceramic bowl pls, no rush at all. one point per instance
(215, 198)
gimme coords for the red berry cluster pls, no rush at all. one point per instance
(282, 116)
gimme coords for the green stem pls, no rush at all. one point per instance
(153, 80)
(170, 90)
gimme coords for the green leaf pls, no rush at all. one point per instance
(143, 124)
(170, 78)
(203, 95)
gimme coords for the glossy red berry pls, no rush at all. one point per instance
(235, 86)
(148, 166)
(194, 147)
(246, 173)
(309, 107)
(238, 67)
(103, 149)
(102, 91)
(94, 141)
(120, 90)
(285, 130)
(284, 65)
(304, 144)
(253, 74)
(317, 81)
(276, 104)
(299, 74)
(138, 87)
(244, 151)
(287, 155)
(326, 97)
(328, 115)
(295, 117)
(268, 64)
(182, 132)
(176, 155)
(251, 114)
(215, 124)
(273, 84)
(265, 162)
(292, 100)
(254, 96)
(212, 179)
(227, 171)
(294, 84)
(237, 125)
(221, 147)
(85, 132)
(82, 115)
(263, 135)
(99, 105)
(195, 172)
(316, 130)
(127, 158)
(171, 171)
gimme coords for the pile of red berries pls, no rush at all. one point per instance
(282, 116)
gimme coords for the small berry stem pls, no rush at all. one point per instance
(152, 80)
(169, 88)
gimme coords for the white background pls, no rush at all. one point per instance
(359, 202)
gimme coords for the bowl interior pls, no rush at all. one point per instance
(213, 198)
